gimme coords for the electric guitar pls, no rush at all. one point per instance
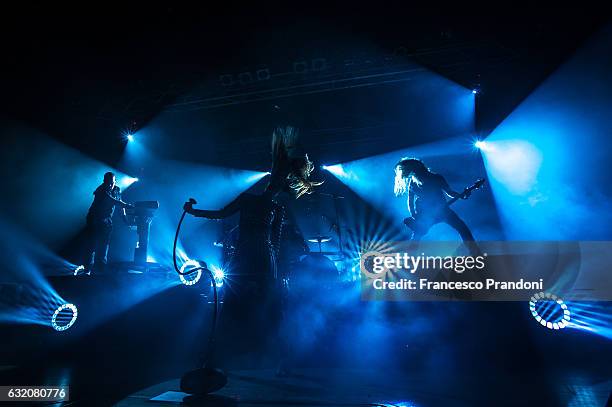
(467, 191)
(420, 227)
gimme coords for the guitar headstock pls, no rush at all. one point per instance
(476, 185)
(479, 183)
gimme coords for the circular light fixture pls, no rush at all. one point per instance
(192, 278)
(64, 317)
(79, 270)
(549, 310)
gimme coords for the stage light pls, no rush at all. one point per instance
(549, 310)
(560, 131)
(396, 404)
(256, 176)
(79, 269)
(190, 279)
(484, 146)
(512, 164)
(130, 138)
(126, 181)
(592, 317)
(218, 274)
(64, 317)
(339, 171)
(475, 91)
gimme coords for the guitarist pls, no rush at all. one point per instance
(427, 202)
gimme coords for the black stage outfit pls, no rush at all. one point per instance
(427, 204)
(100, 225)
(254, 291)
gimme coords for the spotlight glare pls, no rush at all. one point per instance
(475, 91)
(218, 274)
(481, 145)
(255, 176)
(61, 315)
(513, 165)
(130, 138)
(339, 171)
(190, 279)
(127, 181)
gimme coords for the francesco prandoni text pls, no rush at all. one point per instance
(383, 263)
(488, 284)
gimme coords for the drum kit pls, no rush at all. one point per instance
(314, 263)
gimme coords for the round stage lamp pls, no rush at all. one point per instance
(64, 317)
(190, 279)
(79, 270)
(549, 310)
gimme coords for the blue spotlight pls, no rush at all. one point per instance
(126, 181)
(64, 317)
(513, 164)
(256, 176)
(190, 279)
(475, 91)
(396, 404)
(592, 317)
(339, 171)
(557, 154)
(549, 310)
(481, 145)
(130, 138)
(218, 274)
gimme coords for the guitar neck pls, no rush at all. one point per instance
(458, 197)
(466, 191)
(453, 200)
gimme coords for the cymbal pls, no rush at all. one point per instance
(320, 239)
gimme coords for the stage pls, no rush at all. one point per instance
(365, 353)
(337, 387)
(390, 210)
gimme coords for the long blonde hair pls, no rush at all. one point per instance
(407, 170)
(299, 178)
(290, 166)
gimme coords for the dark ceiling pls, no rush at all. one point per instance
(77, 76)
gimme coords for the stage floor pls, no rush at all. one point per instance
(395, 353)
(324, 387)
